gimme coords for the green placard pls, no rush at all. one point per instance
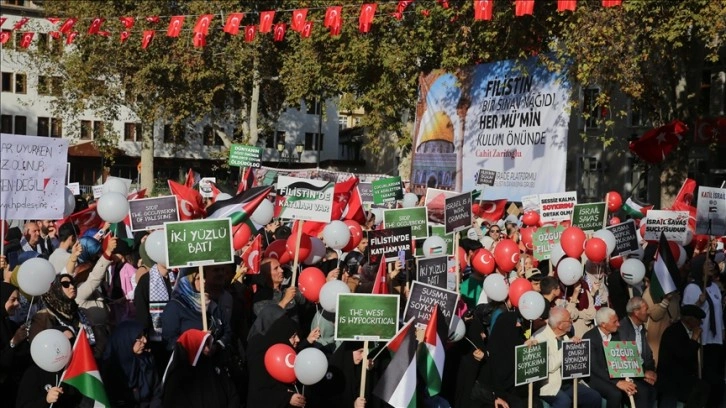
(543, 239)
(198, 242)
(530, 363)
(589, 217)
(245, 156)
(366, 317)
(623, 359)
(415, 217)
(387, 189)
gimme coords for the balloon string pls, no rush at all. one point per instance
(320, 314)
(471, 342)
(303, 390)
(296, 390)
(27, 318)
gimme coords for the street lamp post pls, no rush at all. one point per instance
(286, 155)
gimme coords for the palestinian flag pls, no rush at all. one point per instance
(665, 277)
(397, 386)
(636, 209)
(239, 207)
(82, 372)
(432, 354)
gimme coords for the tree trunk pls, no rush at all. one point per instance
(147, 159)
(254, 104)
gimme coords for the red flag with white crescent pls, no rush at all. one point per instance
(332, 16)
(298, 19)
(266, 18)
(250, 32)
(190, 202)
(128, 22)
(175, 26)
(146, 40)
(203, 23)
(365, 20)
(523, 7)
(279, 32)
(95, 26)
(68, 25)
(233, 21)
(251, 256)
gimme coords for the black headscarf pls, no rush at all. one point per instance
(120, 362)
(6, 289)
(58, 303)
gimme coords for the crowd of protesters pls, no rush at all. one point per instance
(145, 326)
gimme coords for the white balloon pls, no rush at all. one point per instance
(223, 196)
(378, 213)
(113, 207)
(689, 237)
(156, 246)
(262, 215)
(496, 287)
(556, 254)
(70, 203)
(483, 298)
(531, 305)
(607, 236)
(487, 242)
(329, 294)
(115, 185)
(457, 331)
(317, 253)
(409, 200)
(434, 246)
(35, 276)
(633, 271)
(336, 234)
(681, 256)
(310, 366)
(51, 350)
(569, 270)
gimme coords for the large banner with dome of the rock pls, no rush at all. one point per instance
(510, 117)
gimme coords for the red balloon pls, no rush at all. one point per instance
(572, 241)
(614, 221)
(596, 250)
(462, 258)
(356, 235)
(615, 201)
(483, 262)
(530, 218)
(280, 363)
(306, 245)
(701, 242)
(278, 250)
(616, 262)
(506, 253)
(517, 289)
(241, 235)
(526, 235)
(475, 209)
(566, 223)
(642, 230)
(310, 281)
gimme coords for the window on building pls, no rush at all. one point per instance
(86, 130)
(56, 85)
(18, 39)
(591, 108)
(356, 121)
(279, 136)
(313, 141)
(43, 85)
(56, 127)
(21, 83)
(15, 2)
(704, 100)
(21, 124)
(43, 42)
(342, 122)
(6, 124)
(637, 115)
(43, 128)
(208, 136)
(7, 82)
(170, 134)
(313, 106)
(132, 131)
(98, 129)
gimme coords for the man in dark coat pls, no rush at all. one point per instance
(678, 361)
(632, 328)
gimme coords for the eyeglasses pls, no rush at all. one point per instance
(495, 231)
(67, 284)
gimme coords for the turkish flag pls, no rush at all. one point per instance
(483, 9)
(365, 20)
(347, 205)
(252, 255)
(332, 15)
(402, 5)
(380, 285)
(279, 32)
(493, 210)
(656, 144)
(2, 20)
(199, 40)
(84, 219)
(307, 29)
(250, 32)
(564, 5)
(266, 18)
(203, 23)
(55, 34)
(444, 3)
(684, 199)
(710, 131)
(152, 19)
(146, 40)
(137, 195)
(523, 7)
(247, 180)
(233, 21)
(335, 28)
(298, 19)
(189, 181)
(71, 37)
(20, 23)
(124, 36)
(4, 36)
(104, 33)
(68, 25)
(611, 3)
(128, 22)
(189, 200)
(96, 25)
(175, 26)
(53, 20)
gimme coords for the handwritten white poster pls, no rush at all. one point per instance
(32, 177)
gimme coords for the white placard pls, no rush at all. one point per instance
(205, 186)
(304, 199)
(75, 188)
(557, 207)
(97, 191)
(32, 177)
(673, 223)
(711, 211)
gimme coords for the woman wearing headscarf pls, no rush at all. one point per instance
(271, 291)
(184, 312)
(152, 294)
(14, 350)
(192, 379)
(128, 369)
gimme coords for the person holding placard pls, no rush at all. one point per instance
(611, 389)
(557, 393)
(271, 291)
(632, 328)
